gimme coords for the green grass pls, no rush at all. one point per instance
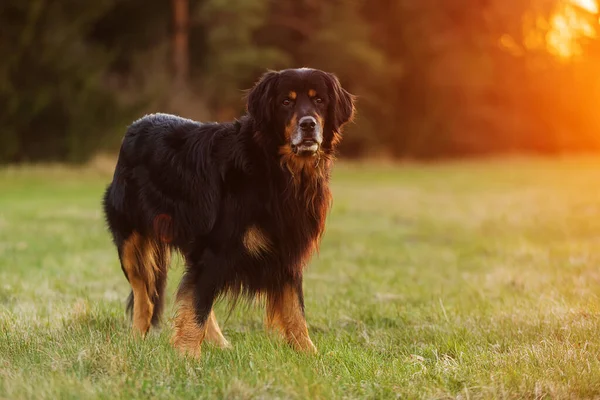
(457, 280)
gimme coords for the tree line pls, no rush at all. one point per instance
(433, 79)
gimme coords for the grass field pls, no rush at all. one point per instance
(457, 280)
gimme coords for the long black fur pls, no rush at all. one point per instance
(215, 180)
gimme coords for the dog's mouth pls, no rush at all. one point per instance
(306, 148)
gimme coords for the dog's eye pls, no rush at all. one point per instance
(318, 100)
(286, 102)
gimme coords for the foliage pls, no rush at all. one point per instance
(433, 79)
(54, 103)
(232, 60)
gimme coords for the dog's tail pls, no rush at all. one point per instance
(129, 306)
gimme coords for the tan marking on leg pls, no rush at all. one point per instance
(188, 334)
(256, 242)
(142, 307)
(312, 93)
(214, 334)
(284, 315)
(135, 258)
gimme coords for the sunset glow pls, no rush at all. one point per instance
(561, 34)
(571, 23)
(588, 5)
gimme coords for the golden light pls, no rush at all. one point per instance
(588, 5)
(561, 34)
(569, 25)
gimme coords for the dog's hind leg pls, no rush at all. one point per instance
(195, 298)
(139, 261)
(214, 334)
(162, 259)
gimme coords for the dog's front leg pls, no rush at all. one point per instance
(285, 313)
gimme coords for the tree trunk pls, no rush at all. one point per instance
(180, 43)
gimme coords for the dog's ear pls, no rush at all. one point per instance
(341, 102)
(260, 104)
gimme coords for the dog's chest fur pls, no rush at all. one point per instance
(275, 220)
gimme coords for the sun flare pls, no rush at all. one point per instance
(561, 34)
(570, 23)
(588, 5)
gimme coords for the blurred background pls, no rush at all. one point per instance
(435, 79)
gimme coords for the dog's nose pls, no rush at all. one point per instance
(308, 124)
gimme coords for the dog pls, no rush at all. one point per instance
(244, 202)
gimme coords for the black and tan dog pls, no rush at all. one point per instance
(244, 202)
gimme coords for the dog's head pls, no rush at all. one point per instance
(304, 109)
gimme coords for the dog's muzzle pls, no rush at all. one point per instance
(307, 138)
(306, 148)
